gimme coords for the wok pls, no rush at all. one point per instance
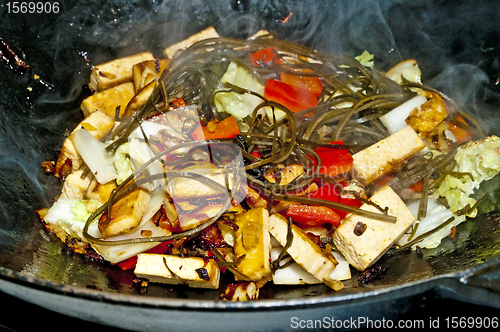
(455, 44)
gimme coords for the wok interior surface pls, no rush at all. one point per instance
(454, 43)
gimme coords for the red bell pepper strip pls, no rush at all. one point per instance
(312, 215)
(334, 161)
(227, 128)
(295, 99)
(331, 193)
(264, 56)
(461, 134)
(179, 102)
(310, 83)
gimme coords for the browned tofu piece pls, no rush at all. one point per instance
(182, 45)
(74, 186)
(253, 241)
(288, 174)
(194, 271)
(303, 250)
(102, 192)
(385, 155)
(140, 99)
(424, 119)
(115, 72)
(255, 199)
(98, 125)
(145, 72)
(186, 188)
(108, 100)
(125, 213)
(362, 250)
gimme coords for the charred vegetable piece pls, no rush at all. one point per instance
(242, 291)
(372, 274)
(170, 269)
(11, 59)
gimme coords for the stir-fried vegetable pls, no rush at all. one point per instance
(237, 134)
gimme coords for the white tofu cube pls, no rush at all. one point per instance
(385, 155)
(182, 45)
(362, 250)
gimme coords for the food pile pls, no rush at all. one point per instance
(265, 161)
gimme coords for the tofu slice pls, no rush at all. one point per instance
(253, 241)
(303, 250)
(108, 100)
(115, 72)
(258, 34)
(182, 45)
(126, 213)
(288, 174)
(293, 274)
(101, 192)
(385, 155)
(361, 251)
(180, 188)
(74, 186)
(196, 272)
(98, 125)
(145, 72)
(139, 100)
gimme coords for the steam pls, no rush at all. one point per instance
(391, 30)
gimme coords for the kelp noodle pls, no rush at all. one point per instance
(351, 102)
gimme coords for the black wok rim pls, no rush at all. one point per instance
(457, 283)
